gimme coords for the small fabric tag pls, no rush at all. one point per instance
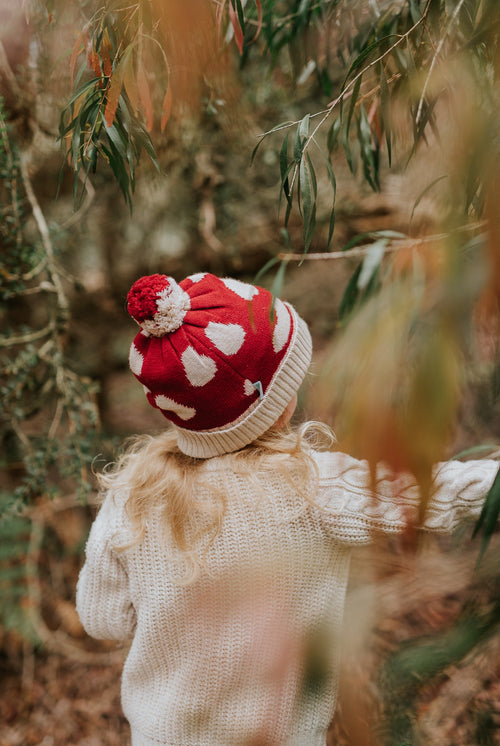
(258, 386)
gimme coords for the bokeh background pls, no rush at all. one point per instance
(405, 330)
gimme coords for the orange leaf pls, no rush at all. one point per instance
(259, 18)
(77, 49)
(113, 96)
(238, 33)
(115, 84)
(105, 56)
(130, 83)
(145, 97)
(218, 18)
(166, 108)
(93, 61)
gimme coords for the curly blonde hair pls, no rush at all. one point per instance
(155, 474)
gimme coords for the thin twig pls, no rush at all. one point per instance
(28, 337)
(397, 244)
(434, 60)
(352, 83)
(44, 287)
(45, 236)
(347, 91)
(56, 421)
(21, 435)
(36, 270)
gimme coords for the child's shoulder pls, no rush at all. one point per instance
(335, 464)
(112, 505)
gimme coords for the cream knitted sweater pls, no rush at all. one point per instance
(226, 659)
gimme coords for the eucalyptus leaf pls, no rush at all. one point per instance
(277, 286)
(371, 262)
(267, 266)
(488, 520)
(350, 295)
(333, 135)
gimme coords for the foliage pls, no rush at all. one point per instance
(49, 417)
(15, 534)
(393, 78)
(416, 663)
(101, 118)
(393, 51)
(37, 384)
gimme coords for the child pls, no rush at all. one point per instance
(222, 546)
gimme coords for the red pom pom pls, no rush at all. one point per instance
(141, 298)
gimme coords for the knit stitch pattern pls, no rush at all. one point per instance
(219, 358)
(222, 661)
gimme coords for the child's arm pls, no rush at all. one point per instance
(102, 595)
(354, 509)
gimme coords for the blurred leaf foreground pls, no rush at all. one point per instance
(345, 153)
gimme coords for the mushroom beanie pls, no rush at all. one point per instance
(221, 359)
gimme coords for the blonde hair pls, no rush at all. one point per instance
(155, 474)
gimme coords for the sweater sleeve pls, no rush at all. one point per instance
(102, 594)
(352, 510)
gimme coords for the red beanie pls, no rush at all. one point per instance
(216, 358)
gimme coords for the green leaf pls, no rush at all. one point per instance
(288, 212)
(313, 176)
(347, 148)
(277, 285)
(356, 240)
(304, 126)
(284, 156)
(419, 128)
(85, 87)
(358, 62)
(331, 178)
(412, 68)
(120, 172)
(415, 13)
(285, 167)
(333, 135)
(141, 139)
(241, 15)
(277, 127)
(424, 192)
(371, 263)
(350, 295)
(476, 450)
(352, 102)
(297, 146)
(267, 266)
(385, 107)
(116, 139)
(370, 169)
(488, 518)
(285, 187)
(286, 238)
(306, 194)
(331, 227)
(254, 151)
(310, 229)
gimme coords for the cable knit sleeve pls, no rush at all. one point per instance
(102, 594)
(353, 511)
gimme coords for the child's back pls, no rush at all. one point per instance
(229, 572)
